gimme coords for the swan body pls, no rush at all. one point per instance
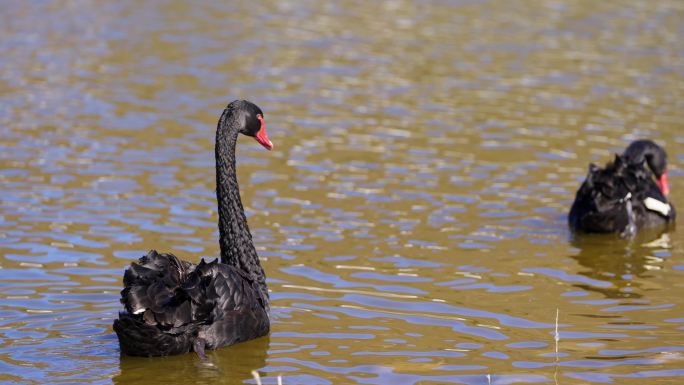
(626, 195)
(174, 306)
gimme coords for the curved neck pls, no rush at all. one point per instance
(648, 151)
(237, 248)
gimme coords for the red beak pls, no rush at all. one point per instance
(261, 136)
(664, 186)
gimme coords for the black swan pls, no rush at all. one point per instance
(624, 197)
(173, 306)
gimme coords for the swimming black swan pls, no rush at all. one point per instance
(623, 197)
(173, 306)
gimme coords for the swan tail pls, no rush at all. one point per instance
(151, 283)
(158, 319)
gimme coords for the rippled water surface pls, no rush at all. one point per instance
(411, 218)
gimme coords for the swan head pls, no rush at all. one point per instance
(654, 156)
(251, 120)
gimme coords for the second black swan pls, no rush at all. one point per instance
(173, 306)
(626, 195)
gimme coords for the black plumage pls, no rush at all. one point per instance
(626, 195)
(173, 306)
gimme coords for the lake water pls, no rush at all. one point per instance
(411, 218)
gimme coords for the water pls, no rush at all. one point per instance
(411, 218)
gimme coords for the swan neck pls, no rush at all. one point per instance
(235, 239)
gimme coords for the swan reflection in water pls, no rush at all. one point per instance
(617, 262)
(231, 365)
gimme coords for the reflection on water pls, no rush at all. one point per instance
(621, 264)
(230, 366)
(412, 217)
